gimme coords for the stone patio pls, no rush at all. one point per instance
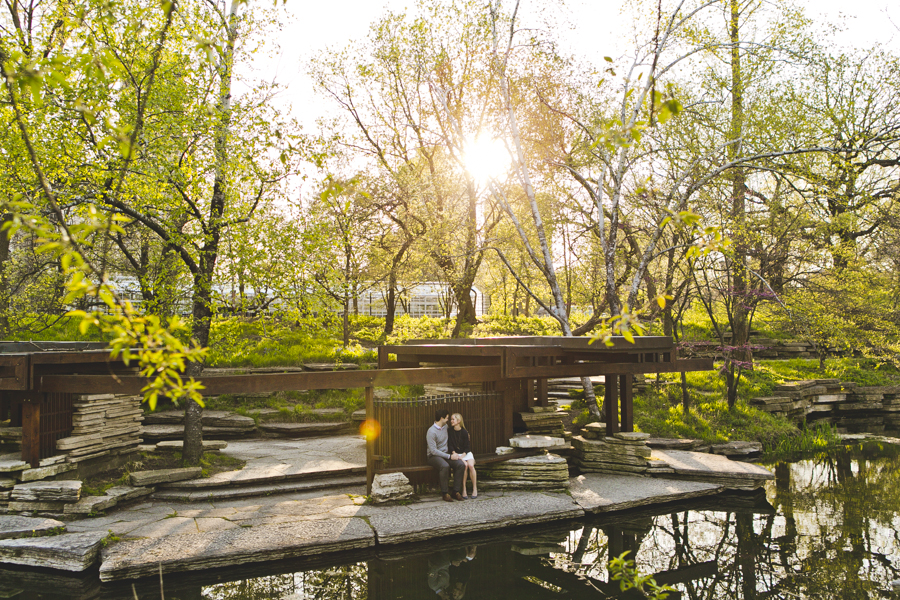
(225, 530)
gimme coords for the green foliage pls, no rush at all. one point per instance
(422, 328)
(111, 538)
(852, 309)
(272, 342)
(55, 328)
(367, 329)
(497, 325)
(863, 371)
(153, 344)
(657, 409)
(625, 572)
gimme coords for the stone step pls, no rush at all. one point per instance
(282, 487)
(210, 418)
(249, 477)
(295, 430)
(176, 432)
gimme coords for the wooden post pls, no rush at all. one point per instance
(31, 432)
(370, 440)
(511, 392)
(626, 394)
(611, 404)
(543, 388)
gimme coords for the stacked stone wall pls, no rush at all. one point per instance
(849, 406)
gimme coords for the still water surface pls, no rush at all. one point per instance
(827, 527)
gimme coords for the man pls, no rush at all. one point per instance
(440, 459)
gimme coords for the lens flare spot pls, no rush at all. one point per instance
(371, 429)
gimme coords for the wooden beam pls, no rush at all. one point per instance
(661, 343)
(274, 382)
(588, 369)
(14, 369)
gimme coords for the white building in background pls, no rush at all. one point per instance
(425, 299)
(428, 299)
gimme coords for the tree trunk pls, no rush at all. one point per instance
(203, 278)
(740, 298)
(685, 396)
(4, 278)
(391, 303)
(390, 306)
(465, 310)
(345, 321)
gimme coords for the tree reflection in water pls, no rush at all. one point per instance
(826, 527)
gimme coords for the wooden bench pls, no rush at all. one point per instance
(425, 474)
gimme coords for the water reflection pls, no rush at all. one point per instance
(827, 527)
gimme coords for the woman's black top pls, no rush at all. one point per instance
(458, 441)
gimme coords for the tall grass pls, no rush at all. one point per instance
(806, 441)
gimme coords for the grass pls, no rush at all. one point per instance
(658, 410)
(297, 406)
(807, 441)
(709, 420)
(265, 343)
(767, 374)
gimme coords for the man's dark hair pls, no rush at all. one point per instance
(440, 414)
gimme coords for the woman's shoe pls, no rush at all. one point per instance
(466, 497)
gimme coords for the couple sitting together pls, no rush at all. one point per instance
(450, 448)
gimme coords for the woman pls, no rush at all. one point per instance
(458, 441)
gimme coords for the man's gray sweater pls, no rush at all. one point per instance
(436, 438)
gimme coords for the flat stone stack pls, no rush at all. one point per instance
(862, 411)
(623, 452)
(10, 439)
(102, 425)
(168, 425)
(540, 472)
(852, 408)
(890, 400)
(44, 496)
(544, 420)
(794, 399)
(7, 474)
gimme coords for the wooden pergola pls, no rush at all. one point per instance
(37, 387)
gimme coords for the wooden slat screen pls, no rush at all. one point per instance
(56, 421)
(405, 421)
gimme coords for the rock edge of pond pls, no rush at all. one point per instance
(284, 529)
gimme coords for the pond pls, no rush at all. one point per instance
(827, 527)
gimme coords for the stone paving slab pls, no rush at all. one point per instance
(16, 527)
(218, 494)
(272, 474)
(598, 493)
(66, 552)
(411, 523)
(208, 550)
(143, 478)
(713, 468)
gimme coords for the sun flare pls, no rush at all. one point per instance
(486, 159)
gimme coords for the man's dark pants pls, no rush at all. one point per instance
(443, 467)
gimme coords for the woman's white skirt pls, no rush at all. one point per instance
(467, 456)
